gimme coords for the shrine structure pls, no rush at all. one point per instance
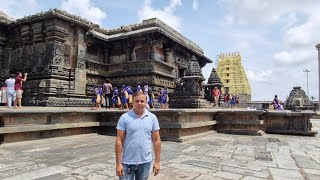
(66, 56)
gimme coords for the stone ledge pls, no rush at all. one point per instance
(171, 125)
(240, 132)
(292, 132)
(187, 125)
(19, 129)
(242, 122)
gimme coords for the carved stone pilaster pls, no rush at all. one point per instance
(107, 53)
(81, 64)
(37, 31)
(168, 56)
(55, 53)
(56, 29)
(25, 32)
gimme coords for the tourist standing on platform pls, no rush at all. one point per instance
(165, 98)
(11, 94)
(145, 91)
(237, 100)
(124, 97)
(107, 91)
(115, 98)
(226, 100)
(97, 97)
(4, 95)
(138, 87)
(233, 101)
(160, 98)
(137, 130)
(130, 93)
(151, 97)
(216, 95)
(18, 88)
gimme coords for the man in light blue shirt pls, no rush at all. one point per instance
(137, 131)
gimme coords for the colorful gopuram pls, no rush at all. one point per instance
(233, 76)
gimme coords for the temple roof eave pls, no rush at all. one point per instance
(147, 30)
(55, 13)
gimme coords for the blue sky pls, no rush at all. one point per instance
(276, 38)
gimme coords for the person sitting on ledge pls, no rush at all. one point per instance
(275, 103)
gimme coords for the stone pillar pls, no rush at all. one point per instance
(318, 48)
(80, 69)
(107, 53)
(128, 51)
(168, 56)
(152, 51)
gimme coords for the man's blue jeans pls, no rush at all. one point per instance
(140, 171)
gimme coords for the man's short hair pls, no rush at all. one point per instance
(107, 80)
(138, 93)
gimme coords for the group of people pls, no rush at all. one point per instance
(114, 97)
(231, 100)
(11, 91)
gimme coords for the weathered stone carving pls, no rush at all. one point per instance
(55, 53)
(81, 64)
(188, 91)
(298, 100)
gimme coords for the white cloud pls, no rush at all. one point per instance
(195, 5)
(259, 76)
(85, 9)
(167, 14)
(19, 9)
(294, 58)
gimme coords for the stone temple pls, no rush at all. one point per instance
(66, 56)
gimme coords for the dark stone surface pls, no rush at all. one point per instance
(298, 100)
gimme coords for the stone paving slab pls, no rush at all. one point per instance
(215, 156)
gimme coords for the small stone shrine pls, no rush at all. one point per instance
(188, 92)
(298, 100)
(213, 81)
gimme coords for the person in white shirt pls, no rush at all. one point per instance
(11, 94)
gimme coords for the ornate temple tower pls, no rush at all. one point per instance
(213, 81)
(233, 76)
(188, 90)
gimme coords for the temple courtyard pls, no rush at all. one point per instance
(212, 156)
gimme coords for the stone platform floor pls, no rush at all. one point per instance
(213, 156)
